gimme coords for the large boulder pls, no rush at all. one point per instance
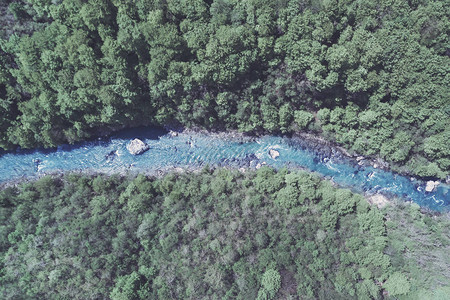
(378, 200)
(274, 153)
(431, 185)
(137, 146)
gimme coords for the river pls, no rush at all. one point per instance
(194, 150)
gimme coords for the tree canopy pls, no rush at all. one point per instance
(216, 234)
(370, 75)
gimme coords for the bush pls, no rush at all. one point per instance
(271, 282)
(303, 118)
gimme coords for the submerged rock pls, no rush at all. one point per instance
(110, 155)
(137, 146)
(274, 153)
(431, 185)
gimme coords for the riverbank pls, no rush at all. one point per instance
(376, 162)
(379, 200)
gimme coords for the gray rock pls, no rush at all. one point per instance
(378, 200)
(431, 185)
(259, 165)
(137, 146)
(274, 153)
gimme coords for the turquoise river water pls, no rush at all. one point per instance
(195, 150)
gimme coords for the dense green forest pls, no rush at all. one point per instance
(216, 234)
(370, 75)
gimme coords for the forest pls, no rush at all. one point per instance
(369, 75)
(215, 234)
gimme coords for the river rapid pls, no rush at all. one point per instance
(190, 150)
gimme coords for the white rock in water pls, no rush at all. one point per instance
(137, 146)
(359, 158)
(431, 185)
(274, 153)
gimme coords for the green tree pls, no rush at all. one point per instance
(270, 284)
(397, 284)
